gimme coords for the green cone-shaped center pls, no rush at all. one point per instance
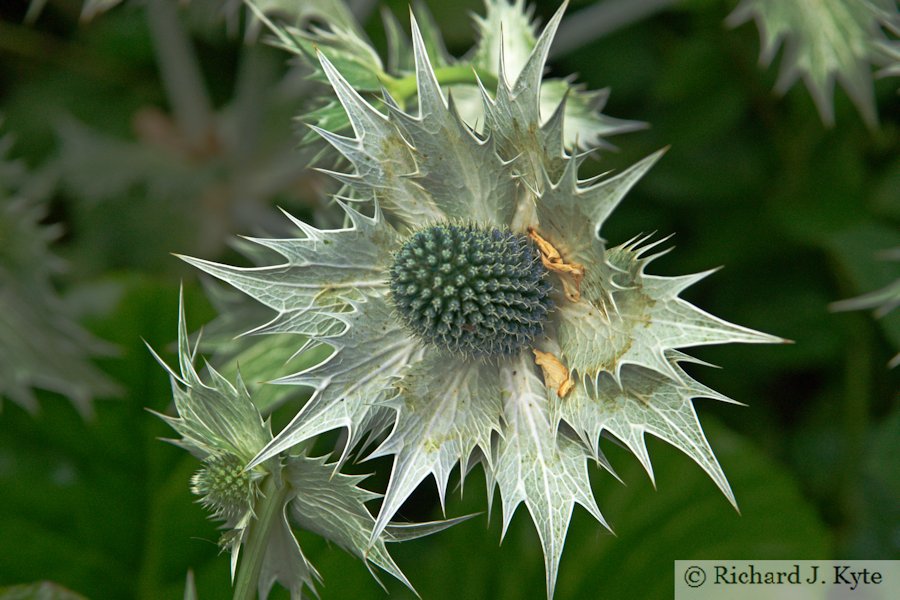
(470, 290)
(225, 486)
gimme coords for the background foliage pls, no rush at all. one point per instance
(796, 212)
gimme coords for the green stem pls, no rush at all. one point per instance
(404, 88)
(269, 510)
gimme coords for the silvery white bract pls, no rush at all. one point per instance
(827, 41)
(430, 302)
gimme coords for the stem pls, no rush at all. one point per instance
(269, 509)
(180, 71)
(404, 88)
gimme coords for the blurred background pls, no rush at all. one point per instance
(157, 127)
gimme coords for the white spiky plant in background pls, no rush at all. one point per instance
(475, 313)
(824, 42)
(42, 345)
(881, 301)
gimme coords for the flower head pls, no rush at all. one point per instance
(473, 307)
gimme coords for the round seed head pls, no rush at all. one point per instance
(470, 290)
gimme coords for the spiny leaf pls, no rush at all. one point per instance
(506, 30)
(585, 127)
(333, 506)
(643, 401)
(344, 41)
(352, 382)
(639, 321)
(310, 280)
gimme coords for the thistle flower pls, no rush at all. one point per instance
(473, 309)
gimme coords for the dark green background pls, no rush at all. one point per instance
(795, 211)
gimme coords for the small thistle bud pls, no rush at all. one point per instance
(225, 487)
(470, 290)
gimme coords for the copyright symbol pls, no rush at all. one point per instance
(694, 577)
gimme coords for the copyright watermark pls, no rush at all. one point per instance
(794, 579)
(694, 576)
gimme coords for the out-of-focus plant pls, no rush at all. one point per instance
(824, 42)
(882, 301)
(193, 168)
(41, 343)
